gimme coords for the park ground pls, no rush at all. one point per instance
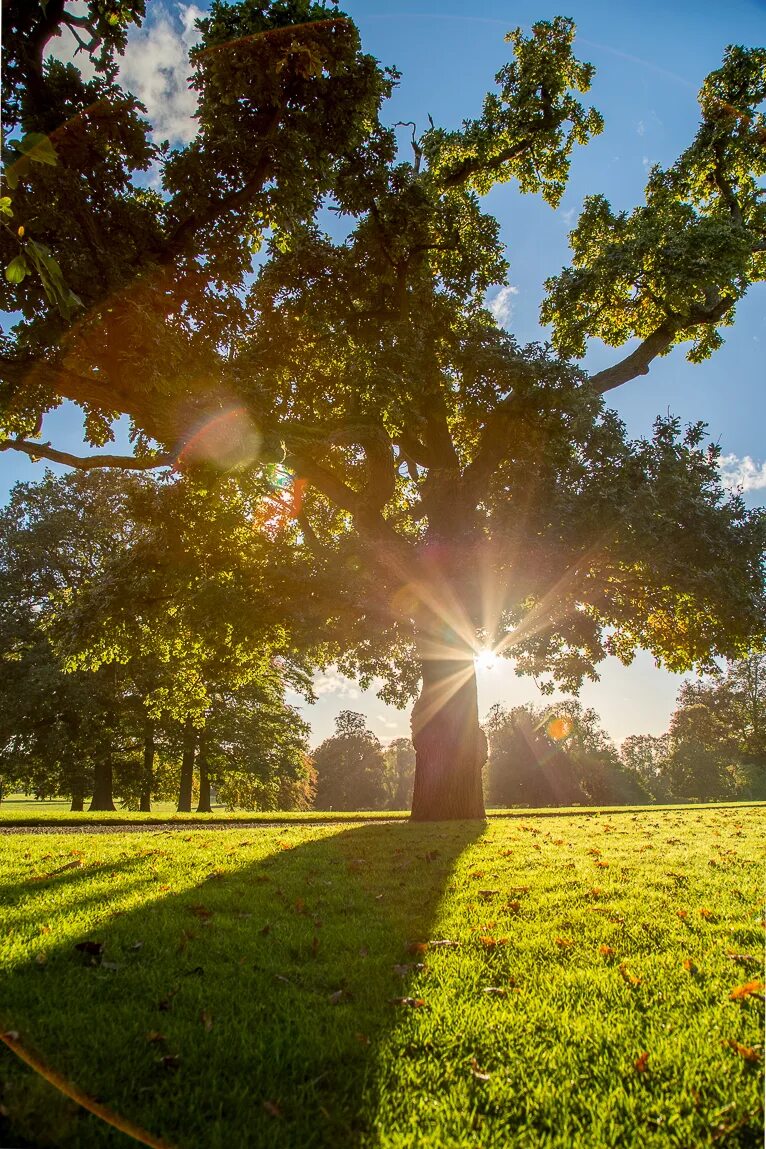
(589, 979)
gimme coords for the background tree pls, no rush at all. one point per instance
(156, 649)
(717, 733)
(452, 487)
(399, 758)
(350, 767)
(527, 766)
(647, 756)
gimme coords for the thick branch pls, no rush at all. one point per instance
(86, 462)
(639, 361)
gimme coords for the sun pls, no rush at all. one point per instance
(485, 659)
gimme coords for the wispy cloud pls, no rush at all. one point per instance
(742, 472)
(640, 128)
(502, 304)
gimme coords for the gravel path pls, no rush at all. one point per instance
(183, 828)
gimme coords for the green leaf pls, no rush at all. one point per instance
(5, 205)
(17, 269)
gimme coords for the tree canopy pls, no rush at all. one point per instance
(448, 486)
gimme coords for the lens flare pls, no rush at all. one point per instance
(228, 440)
(560, 727)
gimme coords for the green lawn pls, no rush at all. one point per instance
(249, 989)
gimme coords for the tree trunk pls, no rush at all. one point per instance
(450, 746)
(147, 774)
(78, 796)
(187, 769)
(203, 805)
(102, 786)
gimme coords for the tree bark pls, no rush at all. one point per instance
(102, 787)
(187, 768)
(450, 746)
(203, 805)
(78, 796)
(147, 773)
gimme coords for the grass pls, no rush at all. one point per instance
(245, 994)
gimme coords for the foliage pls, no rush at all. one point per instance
(718, 733)
(556, 756)
(507, 1033)
(350, 767)
(123, 628)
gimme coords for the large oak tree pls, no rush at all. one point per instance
(453, 488)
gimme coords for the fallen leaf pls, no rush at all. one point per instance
(707, 914)
(641, 1064)
(606, 951)
(512, 907)
(487, 894)
(689, 966)
(412, 1002)
(63, 869)
(201, 911)
(682, 914)
(362, 1038)
(490, 942)
(564, 943)
(477, 1072)
(154, 1037)
(41, 959)
(171, 1062)
(495, 991)
(444, 944)
(742, 991)
(271, 1107)
(417, 947)
(207, 1020)
(748, 1052)
(339, 996)
(627, 976)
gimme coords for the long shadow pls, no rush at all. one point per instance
(245, 1011)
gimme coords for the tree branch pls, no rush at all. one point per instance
(87, 462)
(639, 361)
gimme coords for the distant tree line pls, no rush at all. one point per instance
(559, 755)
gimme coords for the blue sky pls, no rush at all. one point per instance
(650, 59)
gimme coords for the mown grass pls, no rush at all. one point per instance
(245, 995)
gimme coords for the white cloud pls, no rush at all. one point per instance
(742, 472)
(569, 215)
(156, 68)
(502, 305)
(640, 128)
(331, 682)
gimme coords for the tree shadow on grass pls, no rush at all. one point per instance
(245, 1011)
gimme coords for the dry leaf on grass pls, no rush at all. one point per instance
(412, 1002)
(641, 1064)
(740, 992)
(748, 1052)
